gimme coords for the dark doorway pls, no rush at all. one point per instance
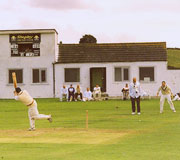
(98, 76)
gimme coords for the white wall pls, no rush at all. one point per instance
(48, 49)
(114, 88)
(173, 79)
(48, 54)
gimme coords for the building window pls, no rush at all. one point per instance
(146, 74)
(126, 74)
(39, 75)
(72, 74)
(19, 75)
(121, 74)
(25, 45)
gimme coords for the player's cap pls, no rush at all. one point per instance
(18, 89)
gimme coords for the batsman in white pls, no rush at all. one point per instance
(33, 113)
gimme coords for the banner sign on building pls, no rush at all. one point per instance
(14, 38)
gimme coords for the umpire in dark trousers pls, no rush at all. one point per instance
(135, 94)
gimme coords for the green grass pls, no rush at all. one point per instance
(173, 57)
(113, 134)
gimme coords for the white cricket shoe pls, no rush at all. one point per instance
(133, 113)
(31, 129)
(139, 113)
(50, 119)
(174, 111)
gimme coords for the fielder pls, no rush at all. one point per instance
(176, 97)
(33, 113)
(165, 94)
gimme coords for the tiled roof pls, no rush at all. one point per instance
(112, 52)
(19, 31)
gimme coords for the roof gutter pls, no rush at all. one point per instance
(54, 81)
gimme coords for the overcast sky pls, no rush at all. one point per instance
(110, 21)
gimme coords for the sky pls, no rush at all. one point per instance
(110, 21)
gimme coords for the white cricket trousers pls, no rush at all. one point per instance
(162, 99)
(34, 114)
(63, 96)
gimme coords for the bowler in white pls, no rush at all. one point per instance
(33, 113)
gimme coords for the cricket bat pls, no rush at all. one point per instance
(14, 79)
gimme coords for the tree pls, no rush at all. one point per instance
(87, 38)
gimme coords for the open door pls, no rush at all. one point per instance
(98, 76)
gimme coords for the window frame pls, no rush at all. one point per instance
(72, 68)
(16, 69)
(122, 73)
(40, 77)
(150, 79)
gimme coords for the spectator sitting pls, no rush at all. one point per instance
(71, 91)
(78, 93)
(64, 93)
(176, 97)
(125, 92)
(97, 92)
(87, 95)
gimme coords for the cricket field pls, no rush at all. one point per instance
(112, 134)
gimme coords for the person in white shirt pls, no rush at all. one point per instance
(87, 95)
(33, 113)
(97, 92)
(125, 91)
(64, 93)
(135, 94)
